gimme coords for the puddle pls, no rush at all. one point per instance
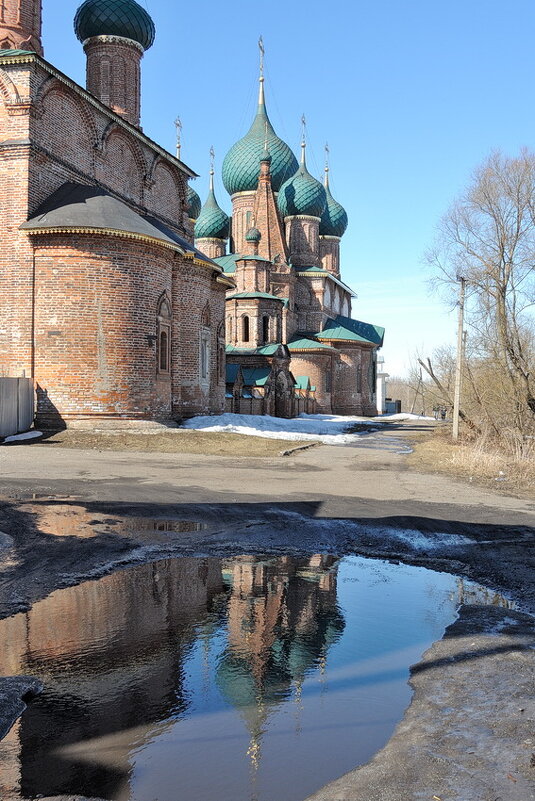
(64, 517)
(245, 679)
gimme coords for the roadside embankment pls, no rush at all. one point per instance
(468, 733)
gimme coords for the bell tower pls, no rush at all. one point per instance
(20, 25)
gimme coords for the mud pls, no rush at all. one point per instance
(70, 515)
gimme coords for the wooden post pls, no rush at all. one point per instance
(459, 363)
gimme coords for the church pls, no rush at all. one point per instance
(121, 295)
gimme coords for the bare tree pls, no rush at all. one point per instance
(488, 238)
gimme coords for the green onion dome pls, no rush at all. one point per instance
(124, 18)
(212, 222)
(253, 235)
(334, 218)
(193, 203)
(241, 164)
(302, 193)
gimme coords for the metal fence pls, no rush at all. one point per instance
(17, 405)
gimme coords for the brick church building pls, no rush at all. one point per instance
(104, 300)
(292, 344)
(123, 297)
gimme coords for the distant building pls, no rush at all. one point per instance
(290, 314)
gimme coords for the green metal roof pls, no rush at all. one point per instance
(302, 382)
(265, 295)
(193, 203)
(228, 262)
(253, 235)
(255, 376)
(15, 52)
(265, 350)
(231, 373)
(114, 18)
(241, 166)
(345, 328)
(212, 222)
(302, 194)
(334, 218)
(304, 342)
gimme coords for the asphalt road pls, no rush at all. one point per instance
(469, 733)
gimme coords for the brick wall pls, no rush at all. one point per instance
(113, 74)
(302, 236)
(329, 253)
(80, 313)
(319, 368)
(255, 309)
(352, 372)
(211, 247)
(242, 219)
(20, 25)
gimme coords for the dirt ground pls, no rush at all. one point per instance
(468, 734)
(178, 440)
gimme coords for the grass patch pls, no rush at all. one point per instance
(172, 441)
(480, 463)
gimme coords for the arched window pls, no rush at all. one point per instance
(221, 351)
(265, 328)
(164, 351)
(163, 337)
(245, 329)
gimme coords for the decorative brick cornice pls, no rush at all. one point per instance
(33, 58)
(302, 217)
(104, 39)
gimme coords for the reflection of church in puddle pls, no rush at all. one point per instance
(282, 618)
(112, 657)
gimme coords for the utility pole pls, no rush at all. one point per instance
(459, 363)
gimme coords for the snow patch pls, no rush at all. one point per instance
(420, 540)
(330, 429)
(26, 435)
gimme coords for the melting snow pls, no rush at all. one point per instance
(26, 435)
(328, 428)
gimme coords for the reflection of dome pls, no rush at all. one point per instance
(124, 18)
(302, 194)
(212, 222)
(241, 164)
(334, 218)
(237, 683)
(253, 235)
(193, 203)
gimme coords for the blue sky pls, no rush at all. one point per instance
(410, 95)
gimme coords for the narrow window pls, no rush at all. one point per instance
(204, 359)
(164, 351)
(245, 331)
(328, 381)
(359, 378)
(265, 329)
